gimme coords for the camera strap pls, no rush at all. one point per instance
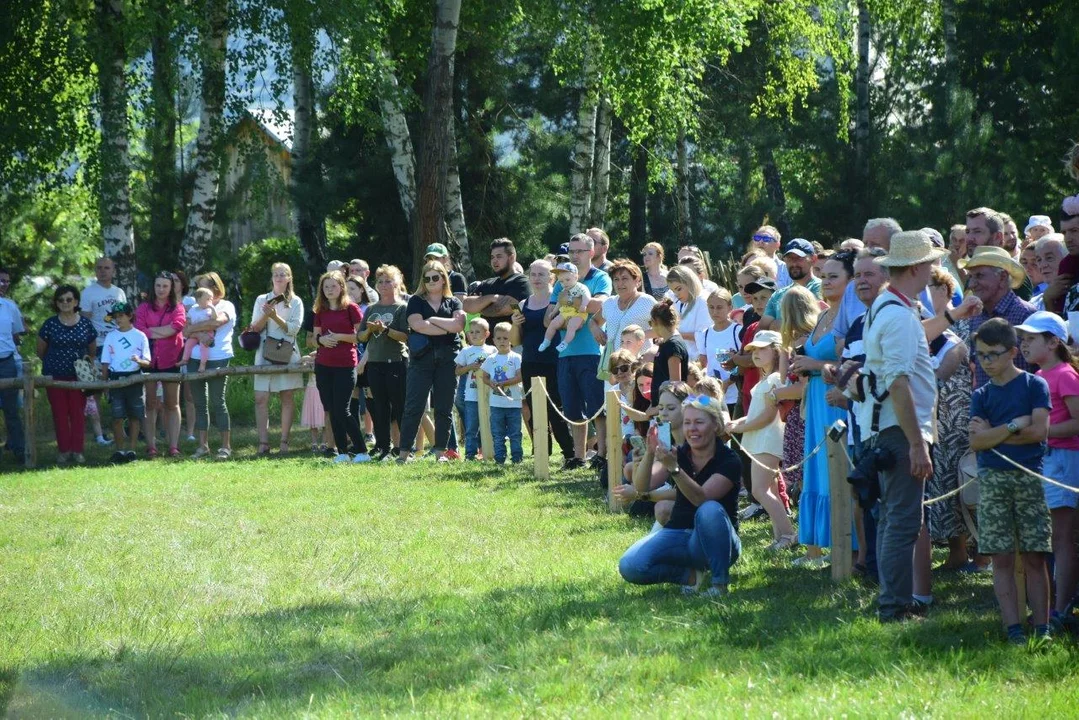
(878, 397)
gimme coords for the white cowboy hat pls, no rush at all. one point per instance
(911, 248)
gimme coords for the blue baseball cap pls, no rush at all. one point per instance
(1044, 322)
(800, 247)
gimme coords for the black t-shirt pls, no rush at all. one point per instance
(532, 336)
(674, 346)
(418, 305)
(726, 463)
(515, 285)
(749, 317)
(457, 283)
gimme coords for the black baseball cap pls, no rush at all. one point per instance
(757, 285)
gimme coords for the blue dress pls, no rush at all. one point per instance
(815, 507)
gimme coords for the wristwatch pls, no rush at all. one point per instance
(1012, 427)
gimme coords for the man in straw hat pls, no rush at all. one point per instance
(993, 275)
(899, 390)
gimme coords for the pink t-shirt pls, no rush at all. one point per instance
(1063, 382)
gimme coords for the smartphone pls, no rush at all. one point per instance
(637, 443)
(663, 433)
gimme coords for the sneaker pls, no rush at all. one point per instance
(596, 461)
(695, 588)
(191, 438)
(62, 459)
(130, 455)
(715, 592)
(812, 563)
(449, 456)
(386, 456)
(369, 440)
(752, 510)
(118, 457)
(200, 453)
(573, 463)
(342, 458)
(78, 459)
(543, 345)
(361, 458)
(103, 441)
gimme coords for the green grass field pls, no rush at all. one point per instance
(294, 587)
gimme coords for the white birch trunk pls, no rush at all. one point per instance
(306, 170)
(601, 176)
(861, 122)
(583, 150)
(455, 219)
(115, 198)
(199, 229)
(398, 138)
(685, 224)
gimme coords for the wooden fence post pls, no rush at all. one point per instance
(487, 442)
(541, 454)
(29, 434)
(614, 449)
(839, 491)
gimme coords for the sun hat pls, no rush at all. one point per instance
(800, 247)
(757, 285)
(912, 247)
(1038, 221)
(437, 250)
(934, 236)
(997, 257)
(567, 267)
(1045, 322)
(764, 338)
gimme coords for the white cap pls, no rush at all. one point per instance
(1038, 221)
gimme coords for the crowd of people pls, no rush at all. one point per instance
(934, 352)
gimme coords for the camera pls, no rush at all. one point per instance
(865, 477)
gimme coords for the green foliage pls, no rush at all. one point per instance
(254, 263)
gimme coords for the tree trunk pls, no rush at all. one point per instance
(601, 176)
(685, 219)
(398, 138)
(861, 122)
(584, 150)
(773, 185)
(434, 158)
(951, 58)
(306, 168)
(455, 217)
(201, 214)
(161, 137)
(638, 199)
(115, 199)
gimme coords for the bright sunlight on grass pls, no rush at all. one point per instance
(293, 587)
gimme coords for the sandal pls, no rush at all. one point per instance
(174, 452)
(151, 453)
(263, 451)
(785, 542)
(201, 452)
(283, 449)
(224, 453)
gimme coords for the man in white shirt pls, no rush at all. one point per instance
(898, 387)
(11, 329)
(98, 298)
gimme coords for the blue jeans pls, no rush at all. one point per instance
(667, 555)
(471, 416)
(10, 399)
(506, 423)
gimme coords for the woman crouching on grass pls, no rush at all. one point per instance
(701, 535)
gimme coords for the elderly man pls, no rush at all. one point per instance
(11, 330)
(496, 297)
(1049, 250)
(601, 243)
(581, 390)
(799, 256)
(898, 390)
(877, 233)
(992, 275)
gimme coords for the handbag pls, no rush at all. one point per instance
(418, 345)
(277, 351)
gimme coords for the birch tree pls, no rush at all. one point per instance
(601, 170)
(198, 232)
(455, 216)
(161, 134)
(306, 170)
(685, 220)
(115, 160)
(862, 119)
(398, 137)
(584, 148)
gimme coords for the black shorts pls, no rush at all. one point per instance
(162, 371)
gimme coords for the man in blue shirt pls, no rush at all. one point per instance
(580, 388)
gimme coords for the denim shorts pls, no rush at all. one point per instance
(581, 390)
(1062, 465)
(127, 402)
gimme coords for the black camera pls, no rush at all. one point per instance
(865, 477)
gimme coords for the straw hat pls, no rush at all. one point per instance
(911, 248)
(997, 257)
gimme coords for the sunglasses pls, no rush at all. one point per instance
(167, 275)
(621, 369)
(432, 278)
(763, 238)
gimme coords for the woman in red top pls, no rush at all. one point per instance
(337, 320)
(162, 318)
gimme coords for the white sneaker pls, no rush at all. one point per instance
(750, 512)
(361, 458)
(342, 458)
(100, 440)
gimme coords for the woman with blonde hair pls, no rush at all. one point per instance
(278, 315)
(691, 303)
(434, 318)
(655, 272)
(794, 329)
(385, 330)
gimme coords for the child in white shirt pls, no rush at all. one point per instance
(468, 361)
(502, 373)
(202, 311)
(719, 343)
(126, 352)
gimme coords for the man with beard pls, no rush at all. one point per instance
(799, 257)
(496, 297)
(986, 227)
(601, 244)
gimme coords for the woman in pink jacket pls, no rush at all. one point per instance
(162, 318)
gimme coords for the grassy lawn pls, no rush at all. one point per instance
(293, 587)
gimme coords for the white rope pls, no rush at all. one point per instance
(1028, 471)
(949, 494)
(786, 469)
(577, 422)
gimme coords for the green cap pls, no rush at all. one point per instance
(437, 250)
(122, 308)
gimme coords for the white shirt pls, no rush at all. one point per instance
(119, 346)
(501, 368)
(616, 320)
(895, 346)
(98, 301)
(713, 341)
(222, 349)
(466, 356)
(292, 314)
(10, 325)
(695, 321)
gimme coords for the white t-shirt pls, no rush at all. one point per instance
(615, 320)
(222, 349)
(98, 301)
(500, 368)
(119, 346)
(466, 356)
(713, 341)
(694, 322)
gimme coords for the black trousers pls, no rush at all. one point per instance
(335, 391)
(430, 376)
(549, 372)
(387, 402)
